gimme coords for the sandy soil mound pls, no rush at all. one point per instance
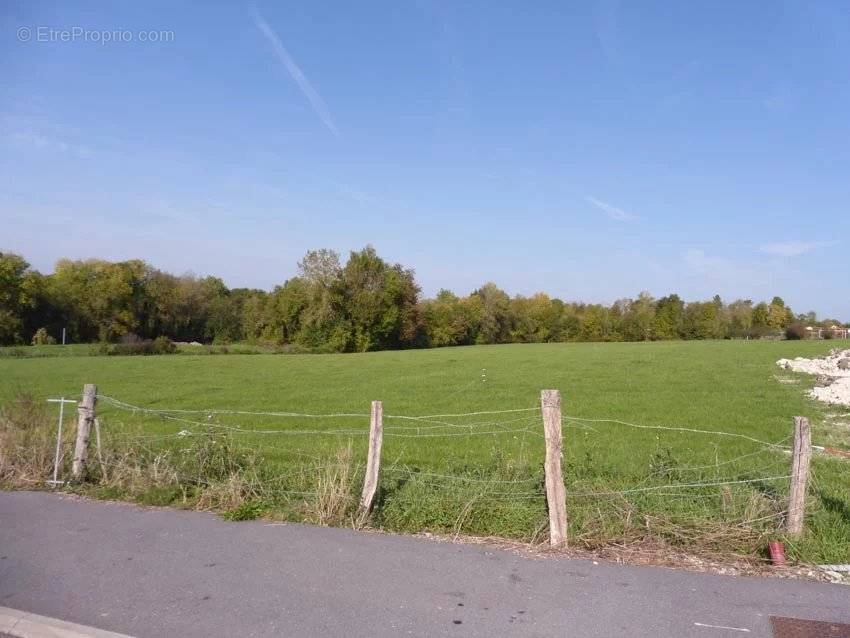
(833, 373)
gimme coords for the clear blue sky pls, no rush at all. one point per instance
(590, 150)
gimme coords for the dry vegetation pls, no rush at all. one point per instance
(27, 443)
(208, 473)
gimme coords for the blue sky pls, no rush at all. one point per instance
(590, 150)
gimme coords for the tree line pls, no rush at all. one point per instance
(364, 304)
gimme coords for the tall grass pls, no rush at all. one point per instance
(27, 442)
(334, 501)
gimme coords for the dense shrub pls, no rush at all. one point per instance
(291, 348)
(163, 345)
(795, 331)
(41, 338)
(99, 349)
(144, 347)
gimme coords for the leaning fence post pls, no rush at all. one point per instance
(799, 474)
(85, 418)
(550, 401)
(373, 461)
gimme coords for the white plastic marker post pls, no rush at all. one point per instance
(61, 401)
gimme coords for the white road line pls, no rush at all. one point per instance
(22, 624)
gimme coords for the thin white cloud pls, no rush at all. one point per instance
(316, 101)
(612, 211)
(793, 248)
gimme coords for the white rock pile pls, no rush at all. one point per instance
(833, 372)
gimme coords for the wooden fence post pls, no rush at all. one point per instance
(373, 461)
(550, 401)
(799, 475)
(85, 418)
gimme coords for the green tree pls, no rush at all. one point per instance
(224, 314)
(761, 318)
(284, 309)
(596, 323)
(380, 302)
(703, 320)
(367, 304)
(495, 314)
(638, 320)
(740, 317)
(254, 315)
(535, 319)
(323, 322)
(569, 322)
(450, 320)
(778, 315)
(16, 297)
(101, 299)
(669, 318)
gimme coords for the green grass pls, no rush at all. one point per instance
(732, 386)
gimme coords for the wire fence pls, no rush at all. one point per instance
(479, 472)
(496, 423)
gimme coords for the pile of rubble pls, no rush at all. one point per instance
(833, 372)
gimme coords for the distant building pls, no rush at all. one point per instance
(833, 332)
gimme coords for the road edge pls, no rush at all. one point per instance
(22, 624)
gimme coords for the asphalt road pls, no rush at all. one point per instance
(159, 572)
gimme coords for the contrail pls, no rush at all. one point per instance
(612, 211)
(316, 101)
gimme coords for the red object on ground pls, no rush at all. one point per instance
(777, 552)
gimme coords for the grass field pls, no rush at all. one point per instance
(482, 474)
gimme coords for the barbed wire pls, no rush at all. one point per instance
(390, 430)
(458, 477)
(235, 429)
(110, 437)
(691, 468)
(443, 424)
(433, 426)
(669, 428)
(432, 421)
(136, 408)
(684, 485)
(214, 411)
(462, 414)
(261, 486)
(464, 434)
(240, 431)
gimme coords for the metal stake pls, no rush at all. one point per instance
(61, 401)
